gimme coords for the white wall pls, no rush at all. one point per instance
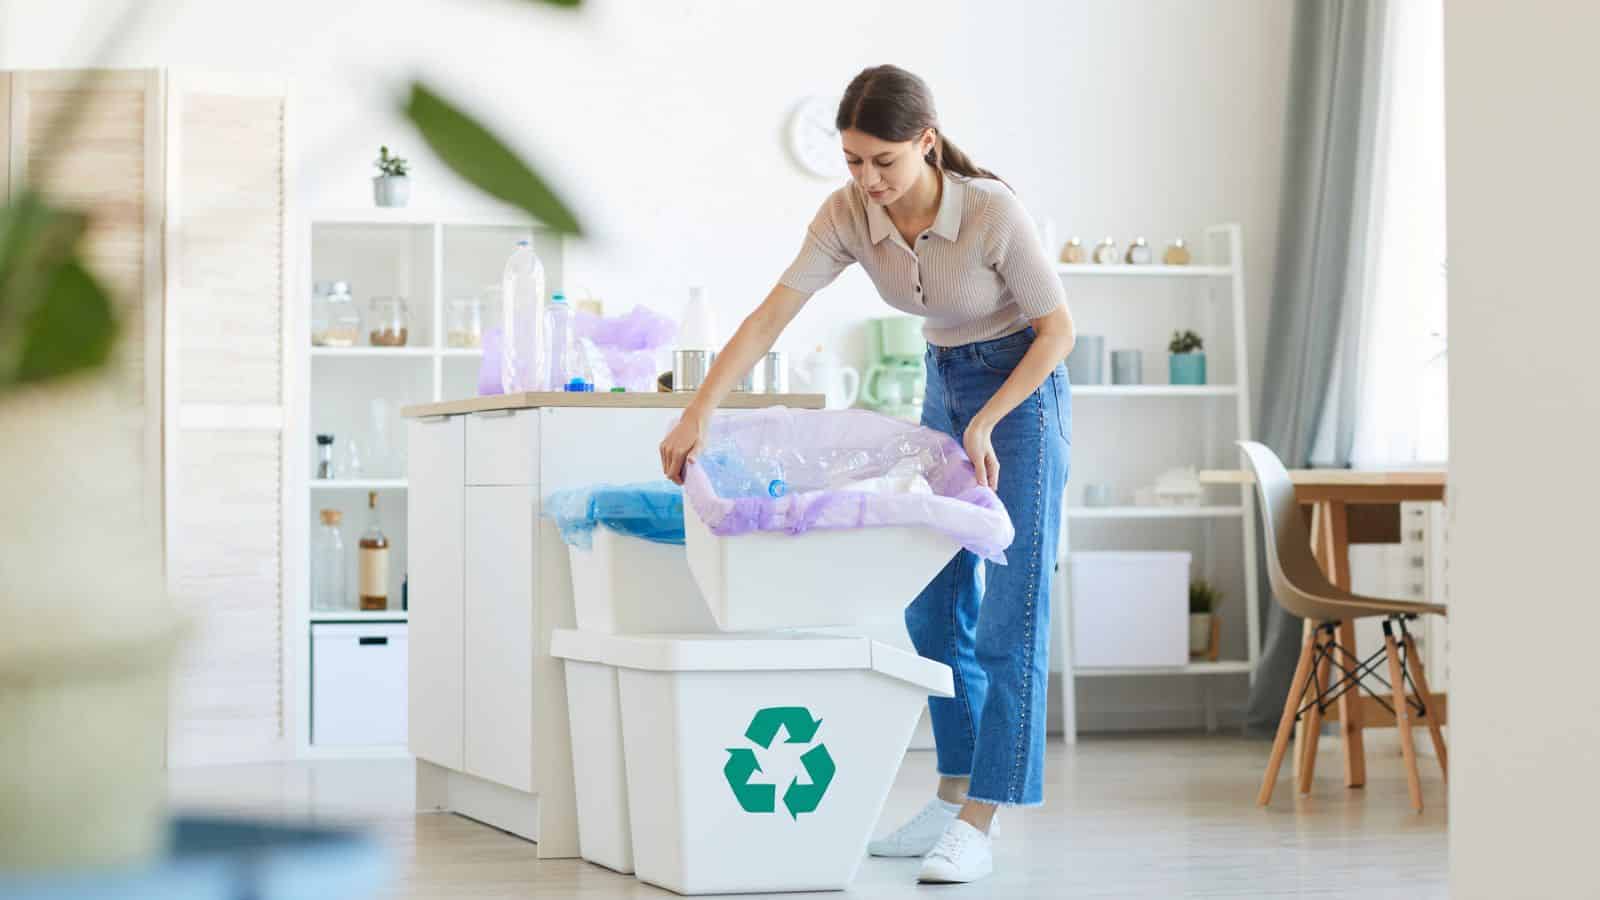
(662, 122)
(1519, 80)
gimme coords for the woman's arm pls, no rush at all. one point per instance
(1054, 340)
(755, 337)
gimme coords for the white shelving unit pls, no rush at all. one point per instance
(428, 257)
(1221, 282)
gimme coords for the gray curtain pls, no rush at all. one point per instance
(1321, 273)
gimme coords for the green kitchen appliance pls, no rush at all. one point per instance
(895, 381)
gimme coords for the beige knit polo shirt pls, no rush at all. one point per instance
(978, 273)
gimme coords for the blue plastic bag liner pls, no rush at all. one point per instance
(794, 471)
(212, 858)
(650, 510)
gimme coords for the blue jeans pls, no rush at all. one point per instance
(991, 623)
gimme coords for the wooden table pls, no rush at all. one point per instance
(1330, 493)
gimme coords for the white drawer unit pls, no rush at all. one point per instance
(503, 447)
(358, 684)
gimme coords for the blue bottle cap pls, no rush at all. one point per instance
(558, 297)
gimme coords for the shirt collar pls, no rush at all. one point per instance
(946, 223)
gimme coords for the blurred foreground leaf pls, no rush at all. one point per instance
(483, 159)
(55, 319)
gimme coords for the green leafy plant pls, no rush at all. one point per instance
(57, 320)
(391, 166)
(1185, 342)
(1203, 598)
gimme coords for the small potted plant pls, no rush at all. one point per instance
(1188, 359)
(1205, 626)
(392, 187)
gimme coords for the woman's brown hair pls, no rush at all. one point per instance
(892, 104)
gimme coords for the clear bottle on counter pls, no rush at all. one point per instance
(325, 456)
(522, 322)
(389, 328)
(374, 560)
(328, 589)
(335, 321)
(560, 342)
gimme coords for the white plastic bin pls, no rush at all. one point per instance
(1130, 608)
(628, 585)
(766, 580)
(727, 790)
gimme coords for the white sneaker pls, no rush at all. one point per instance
(917, 837)
(962, 854)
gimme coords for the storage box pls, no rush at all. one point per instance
(751, 762)
(358, 684)
(766, 580)
(1129, 608)
(628, 585)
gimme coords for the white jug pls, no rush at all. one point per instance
(825, 374)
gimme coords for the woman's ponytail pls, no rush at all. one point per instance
(947, 157)
(892, 104)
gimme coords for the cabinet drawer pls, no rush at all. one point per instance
(503, 447)
(358, 684)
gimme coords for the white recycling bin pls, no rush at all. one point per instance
(628, 585)
(751, 763)
(766, 580)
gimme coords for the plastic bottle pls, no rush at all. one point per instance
(733, 477)
(522, 321)
(559, 342)
(698, 330)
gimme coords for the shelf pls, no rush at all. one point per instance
(1221, 667)
(474, 352)
(416, 352)
(1155, 512)
(386, 615)
(1151, 271)
(358, 484)
(376, 215)
(1154, 390)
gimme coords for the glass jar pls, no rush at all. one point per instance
(335, 320)
(386, 322)
(328, 588)
(464, 322)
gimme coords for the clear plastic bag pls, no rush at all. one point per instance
(793, 471)
(652, 511)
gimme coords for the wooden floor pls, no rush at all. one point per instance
(1144, 816)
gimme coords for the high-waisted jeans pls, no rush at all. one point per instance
(991, 623)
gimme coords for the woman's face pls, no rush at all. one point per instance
(886, 170)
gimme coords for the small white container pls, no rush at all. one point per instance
(358, 684)
(1130, 608)
(689, 710)
(628, 585)
(766, 580)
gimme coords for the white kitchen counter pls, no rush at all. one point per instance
(490, 581)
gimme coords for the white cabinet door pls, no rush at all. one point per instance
(435, 521)
(499, 629)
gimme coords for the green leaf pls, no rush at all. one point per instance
(484, 160)
(565, 4)
(73, 330)
(55, 319)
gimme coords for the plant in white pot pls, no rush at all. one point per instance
(1205, 626)
(1187, 360)
(392, 187)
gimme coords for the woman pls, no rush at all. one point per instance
(946, 240)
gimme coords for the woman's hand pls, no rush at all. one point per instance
(978, 442)
(681, 444)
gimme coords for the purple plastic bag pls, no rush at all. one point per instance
(837, 470)
(640, 329)
(489, 368)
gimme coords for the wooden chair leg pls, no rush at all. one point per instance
(1402, 718)
(1414, 660)
(1313, 722)
(1291, 705)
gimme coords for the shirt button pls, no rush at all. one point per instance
(924, 237)
(919, 288)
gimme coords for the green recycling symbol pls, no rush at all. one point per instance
(762, 798)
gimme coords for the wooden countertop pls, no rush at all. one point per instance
(630, 400)
(1338, 477)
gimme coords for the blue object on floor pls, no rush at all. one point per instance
(229, 859)
(652, 511)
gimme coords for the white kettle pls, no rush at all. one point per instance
(823, 373)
